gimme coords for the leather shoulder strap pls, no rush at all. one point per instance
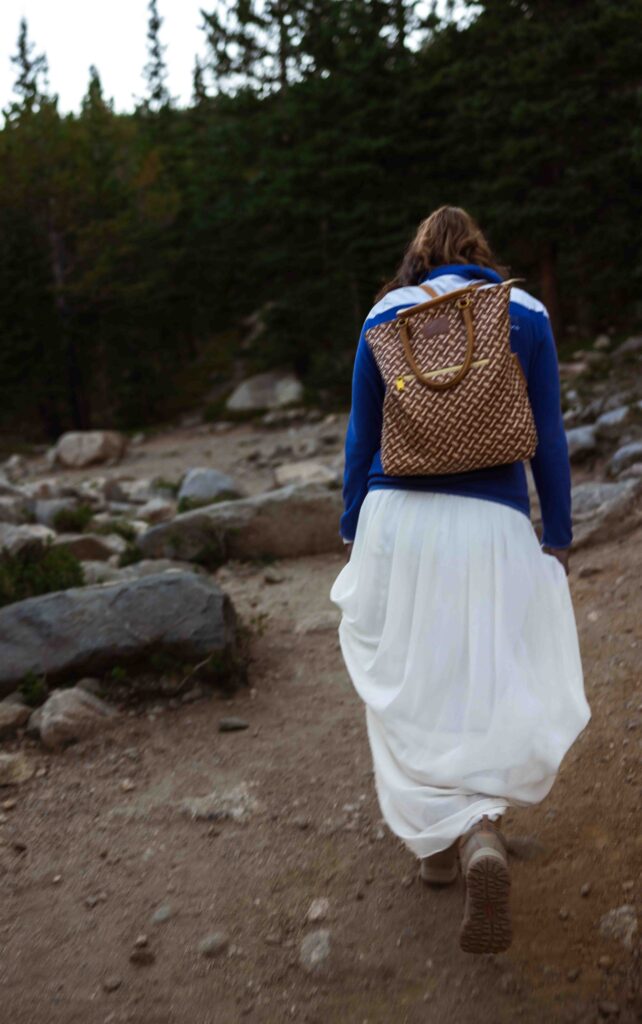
(429, 290)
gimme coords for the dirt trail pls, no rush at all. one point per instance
(85, 861)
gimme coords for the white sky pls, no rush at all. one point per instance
(112, 34)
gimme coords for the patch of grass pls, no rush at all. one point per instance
(34, 689)
(73, 520)
(119, 526)
(130, 555)
(35, 571)
(168, 486)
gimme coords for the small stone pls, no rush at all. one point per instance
(589, 570)
(213, 945)
(112, 983)
(318, 910)
(608, 1009)
(605, 963)
(232, 724)
(563, 913)
(274, 938)
(621, 923)
(142, 957)
(314, 950)
(585, 889)
(573, 974)
(57, 879)
(273, 576)
(15, 769)
(407, 881)
(162, 915)
(300, 821)
(8, 805)
(127, 785)
(628, 885)
(140, 941)
(192, 695)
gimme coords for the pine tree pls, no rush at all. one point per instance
(158, 97)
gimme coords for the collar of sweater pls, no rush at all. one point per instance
(469, 271)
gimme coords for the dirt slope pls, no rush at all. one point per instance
(85, 861)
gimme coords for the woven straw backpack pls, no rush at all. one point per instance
(456, 396)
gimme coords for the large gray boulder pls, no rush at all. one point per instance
(605, 511)
(79, 448)
(271, 390)
(284, 523)
(88, 630)
(203, 486)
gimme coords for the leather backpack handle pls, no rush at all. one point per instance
(464, 304)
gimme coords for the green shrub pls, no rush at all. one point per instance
(73, 520)
(37, 571)
(130, 555)
(119, 526)
(34, 689)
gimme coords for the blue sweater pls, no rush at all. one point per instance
(532, 340)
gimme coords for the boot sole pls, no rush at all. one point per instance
(486, 927)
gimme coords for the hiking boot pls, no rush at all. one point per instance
(440, 868)
(486, 927)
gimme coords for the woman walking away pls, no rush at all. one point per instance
(457, 625)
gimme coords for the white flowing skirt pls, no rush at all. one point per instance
(459, 635)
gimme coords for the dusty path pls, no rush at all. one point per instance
(85, 861)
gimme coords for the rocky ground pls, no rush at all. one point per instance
(206, 857)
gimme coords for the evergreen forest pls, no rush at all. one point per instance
(137, 249)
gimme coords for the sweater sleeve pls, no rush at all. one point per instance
(550, 464)
(363, 436)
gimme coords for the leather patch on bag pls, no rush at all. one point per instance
(440, 325)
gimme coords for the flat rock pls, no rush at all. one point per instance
(237, 803)
(305, 472)
(315, 950)
(232, 724)
(605, 511)
(13, 509)
(79, 448)
(214, 944)
(46, 509)
(14, 769)
(284, 523)
(629, 349)
(204, 486)
(15, 539)
(70, 715)
(581, 442)
(319, 622)
(621, 924)
(270, 390)
(625, 457)
(157, 510)
(611, 424)
(87, 630)
(12, 717)
(92, 547)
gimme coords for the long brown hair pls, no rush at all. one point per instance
(448, 235)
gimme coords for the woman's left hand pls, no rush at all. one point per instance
(561, 554)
